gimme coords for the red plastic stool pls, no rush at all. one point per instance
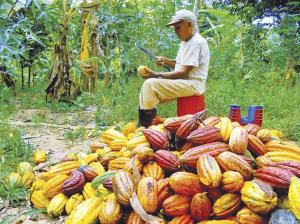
(190, 105)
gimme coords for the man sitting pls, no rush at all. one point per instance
(189, 75)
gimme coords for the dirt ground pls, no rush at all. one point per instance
(46, 130)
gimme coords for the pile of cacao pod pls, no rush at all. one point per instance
(215, 171)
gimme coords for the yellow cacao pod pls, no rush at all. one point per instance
(246, 216)
(24, 167)
(39, 199)
(111, 134)
(129, 128)
(86, 212)
(28, 179)
(57, 205)
(38, 184)
(110, 211)
(259, 197)
(54, 185)
(225, 127)
(13, 180)
(88, 191)
(39, 156)
(98, 167)
(294, 196)
(72, 202)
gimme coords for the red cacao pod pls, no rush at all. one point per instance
(74, 184)
(205, 135)
(88, 172)
(167, 160)
(191, 156)
(172, 124)
(187, 127)
(277, 177)
(157, 139)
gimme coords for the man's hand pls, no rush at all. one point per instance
(160, 60)
(150, 74)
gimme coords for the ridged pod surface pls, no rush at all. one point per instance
(294, 200)
(246, 216)
(208, 171)
(74, 184)
(227, 205)
(134, 218)
(147, 193)
(259, 197)
(256, 146)
(85, 212)
(185, 183)
(191, 156)
(187, 127)
(225, 127)
(167, 160)
(39, 199)
(176, 205)
(57, 205)
(54, 185)
(110, 211)
(232, 181)
(157, 139)
(204, 135)
(183, 219)
(201, 207)
(72, 202)
(123, 187)
(231, 161)
(238, 140)
(152, 169)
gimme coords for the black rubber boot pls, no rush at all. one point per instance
(146, 117)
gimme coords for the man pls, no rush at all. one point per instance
(189, 75)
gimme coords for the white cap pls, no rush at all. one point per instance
(183, 15)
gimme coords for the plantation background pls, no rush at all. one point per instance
(254, 60)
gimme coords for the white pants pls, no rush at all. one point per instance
(155, 91)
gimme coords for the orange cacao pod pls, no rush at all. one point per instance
(185, 183)
(277, 177)
(238, 140)
(252, 129)
(187, 127)
(208, 171)
(148, 194)
(201, 207)
(157, 139)
(74, 184)
(256, 146)
(167, 160)
(152, 169)
(204, 135)
(164, 191)
(89, 172)
(230, 161)
(176, 205)
(183, 219)
(191, 156)
(232, 181)
(227, 205)
(134, 218)
(214, 193)
(246, 216)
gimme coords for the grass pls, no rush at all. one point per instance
(13, 150)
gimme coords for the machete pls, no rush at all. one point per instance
(150, 55)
